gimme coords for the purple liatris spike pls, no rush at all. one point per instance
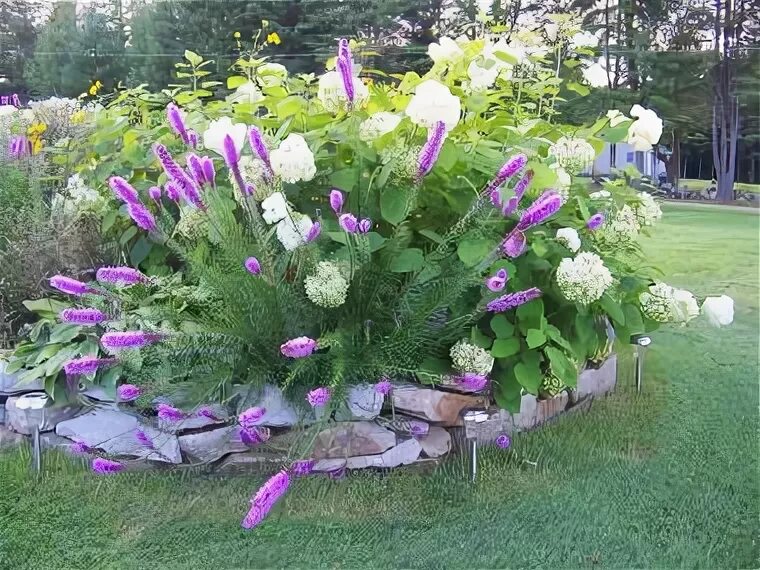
(503, 441)
(522, 184)
(173, 191)
(120, 276)
(208, 171)
(595, 222)
(131, 339)
(103, 466)
(155, 194)
(195, 165)
(141, 216)
(252, 266)
(86, 365)
(512, 300)
(128, 392)
(510, 207)
(207, 412)
(302, 467)
(260, 148)
(169, 413)
(418, 428)
(348, 223)
(344, 64)
(497, 282)
(251, 417)
(249, 189)
(79, 447)
(254, 435)
(177, 123)
(514, 244)
(192, 138)
(318, 396)
(431, 149)
(471, 381)
(364, 226)
(265, 498)
(313, 233)
(70, 286)
(144, 439)
(83, 316)
(544, 207)
(336, 200)
(298, 347)
(231, 155)
(123, 190)
(176, 173)
(495, 197)
(384, 386)
(508, 170)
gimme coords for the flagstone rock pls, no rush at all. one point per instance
(349, 439)
(24, 412)
(279, 411)
(444, 408)
(597, 381)
(404, 453)
(534, 412)
(436, 443)
(194, 421)
(330, 466)
(208, 446)
(9, 383)
(496, 423)
(361, 402)
(10, 439)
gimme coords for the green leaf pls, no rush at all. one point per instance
(529, 376)
(140, 251)
(128, 234)
(506, 388)
(448, 157)
(108, 221)
(543, 176)
(539, 247)
(633, 320)
(431, 369)
(535, 338)
(235, 81)
(46, 306)
(507, 57)
(614, 135)
(193, 58)
(46, 352)
(393, 205)
(472, 251)
(479, 338)
(554, 334)
(14, 366)
(530, 315)
(64, 333)
(501, 326)
(431, 235)
(31, 375)
(561, 366)
(345, 179)
(289, 106)
(408, 260)
(505, 347)
(582, 90)
(613, 309)
(376, 241)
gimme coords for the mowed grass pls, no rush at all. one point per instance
(665, 479)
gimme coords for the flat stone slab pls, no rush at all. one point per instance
(10, 439)
(9, 383)
(194, 421)
(361, 402)
(486, 432)
(404, 453)
(251, 462)
(534, 412)
(443, 408)
(597, 381)
(436, 443)
(350, 439)
(24, 412)
(208, 446)
(279, 411)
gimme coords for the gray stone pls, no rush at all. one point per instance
(404, 453)
(486, 432)
(208, 446)
(436, 443)
(362, 402)
(251, 462)
(9, 382)
(444, 408)
(52, 441)
(597, 381)
(329, 465)
(28, 410)
(10, 439)
(279, 412)
(534, 412)
(194, 421)
(350, 439)
(98, 393)
(114, 432)
(2, 410)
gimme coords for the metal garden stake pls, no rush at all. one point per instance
(471, 419)
(640, 341)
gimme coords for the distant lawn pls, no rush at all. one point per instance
(697, 184)
(666, 479)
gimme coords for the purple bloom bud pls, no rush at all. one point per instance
(231, 156)
(298, 347)
(173, 191)
(471, 382)
(418, 428)
(144, 439)
(176, 122)
(595, 222)
(19, 147)
(384, 386)
(511, 206)
(79, 448)
(141, 216)
(208, 170)
(302, 467)
(345, 68)
(120, 276)
(103, 466)
(522, 184)
(364, 226)
(174, 171)
(86, 365)
(503, 441)
(496, 197)
(251, 417)
(265, 499)
(544, 207)
(169, 413)
(132, 339)
(207, 412)
(313, 233)
(253, 266)
(155, 194)
(123, 190)
(336, 200)
(128, 392)
(83, 316)
(195, 165)
(192, 138)
(318, 396)
(348, 222)
(497, 282)
(260, 148)
(254, 435)
(514, 244)
(512, 300)
(431, 149)
(507, 171)
(70, 286)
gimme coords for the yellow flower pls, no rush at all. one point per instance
(37, 145)
(36, 129)
(274, 38)
(78, 117)
(236, 35)
(264, 23)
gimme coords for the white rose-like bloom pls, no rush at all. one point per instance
(569, 238)
(719, 310)
(596, 74)
(293, 160)
(272, 74)
(248, 92)
(684, 306)
(274, 208)
(446, 51)
(647, 210)
(616, 117)
(327, 287)
(332, 94)
(583, 279)
(572, 154)
(79, 192)
(213, 136)
(584, 40)
(293, 229)
(433, 102)
(621, 229)
(551, 29)
(481, 78)
(666, 304)
(378, 125)
(646, 130)
(466, 357)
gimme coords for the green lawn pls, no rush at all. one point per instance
(666, 479)
(698, 184)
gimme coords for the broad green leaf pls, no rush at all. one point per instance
(479, 338)
(582, 90)
(562, 367)
(612, 308)
(45, 306)
(448, 157)
(408, 260)
(128, 234)
(535, 338)
(290, 106)
(472, 251)
(506, 388)
(46, 352)
(193, 58)
(431, 235)
(543, 176)
(633, 321)
(31, 375)
(393, 205)
(64, 333)
(235, 81)
(14, 366)
(530, 315)
(505, 347)
(108, 221)
(431, 369)
(529, 376)
(501, 327)
(376, 241)
(140, 251)
(345, 179)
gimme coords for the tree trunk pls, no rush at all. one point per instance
(672, 161)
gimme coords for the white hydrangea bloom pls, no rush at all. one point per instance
(272, 74)
(248, 92)
(666, 304)
(293, 160)
(79, 192)
(646, 130)
(584, 40)
(647, 210)
(332, 93)
(378, 125)
(327, 287)
(466, 357)
(433, 102)
(446, 51)
(719, 310)
(569, 238)
(572, 154)
(213, 136)
(482, 77)
(583, 279)
(293, 229)
(685, 306)
(274, 208)
(621, 229)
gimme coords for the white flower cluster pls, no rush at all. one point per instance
(569, 238)
(572, 154)
(405, 160)
(647, 210)
(620, 230)
(248, 93)
(433, 102)
(378, 125)
(583, 279)
(666, 304)
(332, 93)
(327, 287)
(76, 197)
(293, 160)
(466, 357)
(292, 227)
(646, 130)
(252, 169)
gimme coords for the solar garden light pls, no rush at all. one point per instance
(640, 341)
(471, 419)
(37, 443)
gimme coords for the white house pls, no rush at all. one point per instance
(621, 154)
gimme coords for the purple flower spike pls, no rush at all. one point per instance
(507, 171)
(155, 194)
(302, 467)
(144, 439)
(207, 412)
(384, 387)
(265, 499)
(254, 436)
(512, 300)
(79, 448)
(511, 206)
(251, 417)
(195, 165)
(192, 137)
(318, 396)
(514, 245)
(260, 148)
(364, 226)
(496, 282)
(418, 428)
(123, 190)
(253, 266)
(336, 200)
(173, 191)
(142, 217)
(348, 223)
(169, 413)
(86, 365)
(120, 276)
(298, 347)
(132, 339)
(431, 149)
(176, 122)
(83, 316)
(176, 174)
(503, 441)
(544, 207)
(314, 231)
(128, 392)
(523, 184)
(208, 170)
(231, 156)
(103, 466)
(472, 382)
(70, 286)
(345, 68)
(595, 222)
